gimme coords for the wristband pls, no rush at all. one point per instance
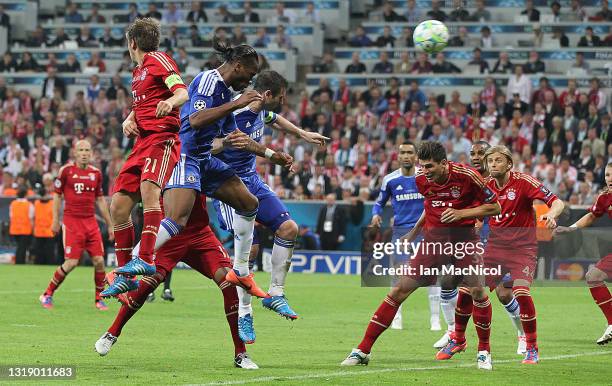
(573, 226)
(269, 153)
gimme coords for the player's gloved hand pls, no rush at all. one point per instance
(376, 221)
(550, 221)
(313, 137)
(55, 228)
(130, 129)
(451, 215)
(163, 108)
(246, 98)
(282, 159)
(236, 139)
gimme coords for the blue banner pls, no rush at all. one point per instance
(335, 263)
(230, 4)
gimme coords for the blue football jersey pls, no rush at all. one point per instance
(407, 202)
(252, 124)
(207, 90)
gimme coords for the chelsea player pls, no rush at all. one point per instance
(272, 213)
(407, 203)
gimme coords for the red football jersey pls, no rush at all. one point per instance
(154, 81)
(603, 204)
(516, 224)
(516, 200)
(464, 188)
(80, 188)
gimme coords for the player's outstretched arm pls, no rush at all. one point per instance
(57, 204)
(285, 125)
(239, 140)
(553, 214)
(204, 117)
(178, 98)
(453, 215)
(104, 210)
(584, 222)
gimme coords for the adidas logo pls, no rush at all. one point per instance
(248, 124)
(399, 187)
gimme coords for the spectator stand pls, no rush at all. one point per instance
(308, 37)
(440, 84)
(505, 35)
(283, 61)
(23, 16)
(557, 61)
(501, 10)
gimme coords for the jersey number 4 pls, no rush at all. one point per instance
(148, 164)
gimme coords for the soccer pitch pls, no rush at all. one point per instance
(188, 341)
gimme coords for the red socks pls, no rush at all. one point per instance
(463, 312)
(482, 322)
(602, 298)
(99, 281)
(136, 299)
(379, 323)
(230, 303)
(152, 219)
(528, 314)
(58, 278)
(124, 242)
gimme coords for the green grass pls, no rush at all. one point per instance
(188, 341)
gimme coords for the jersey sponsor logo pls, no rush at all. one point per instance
(408, 196)
(436, 204)
(199, 104)
(511, 195)
(79, 187)
(399, 187)
(455, 192)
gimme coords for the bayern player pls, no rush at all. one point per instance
(198, 247)
(515, 226)
(455, 195)
(80, 185)
(272, 212)
(504, 294)
(158, 92)
(407, 203)
(602, 271)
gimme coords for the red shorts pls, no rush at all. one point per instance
(519, 263)
(429, 263)
(200, 250)
(81, 234)
(152, 159)
(605, 264)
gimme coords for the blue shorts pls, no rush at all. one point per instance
(271, 213)
(205, 175)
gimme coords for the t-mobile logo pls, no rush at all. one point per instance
(79, 187)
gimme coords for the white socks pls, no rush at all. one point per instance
(281, 261)
(434, 304)
(448, 302)
(514, 313)
(243, 239)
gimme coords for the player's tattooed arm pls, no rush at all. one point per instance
(202, 118)
(584, 222)
(57, 204)
(165, 107)
(285, 125)
(451, 215)
(239, 140)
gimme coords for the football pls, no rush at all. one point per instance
(431, 36)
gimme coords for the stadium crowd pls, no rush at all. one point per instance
(560, 137)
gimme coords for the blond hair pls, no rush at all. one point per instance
(498, 149)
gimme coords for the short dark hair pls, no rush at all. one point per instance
(431, 150)
(22, 192)
(270, 80)
(482, 143)
(242, 53)
(146, 33)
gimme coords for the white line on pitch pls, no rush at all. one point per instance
(357, 373)
(24, 325)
